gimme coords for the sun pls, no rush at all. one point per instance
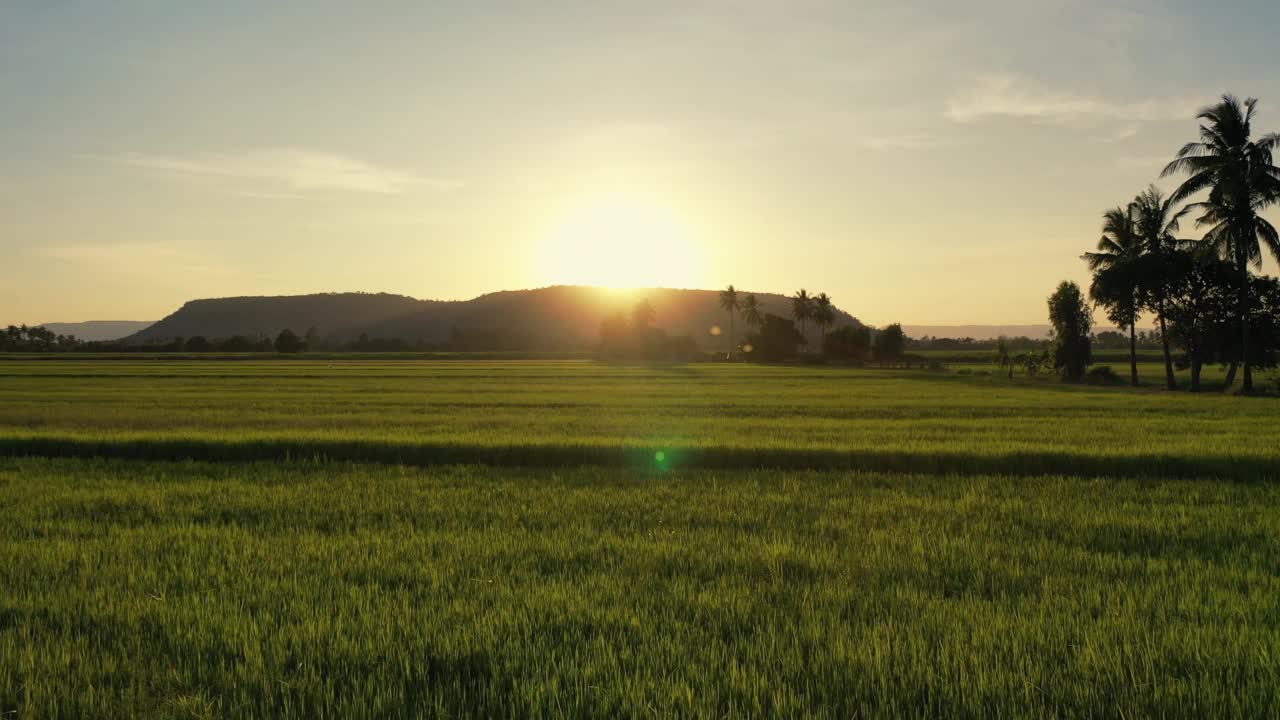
(621, 240)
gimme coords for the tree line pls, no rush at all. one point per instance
(1202, 293)
(769, 337)
(20, 338)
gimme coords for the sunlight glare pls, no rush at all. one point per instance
(622, 240)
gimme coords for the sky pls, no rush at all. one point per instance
(923, 162)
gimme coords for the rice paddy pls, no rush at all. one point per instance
(305, 538)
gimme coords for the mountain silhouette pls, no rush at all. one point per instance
(559, 317)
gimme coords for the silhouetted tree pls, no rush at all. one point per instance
(802, 310)
(1238, 173)
(1071, 322)
(21, 338)
(751, 312)
(289, 342)
(889, 344)
(730, 302)
(1155, 221)
(776, 340)
(1201, 307)
(848, 343)
(823, 313)
(312, 338)
(1117, 276)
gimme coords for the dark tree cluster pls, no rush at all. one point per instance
(20, 338)
(1204, 298)
(633, 337)
(773, 338)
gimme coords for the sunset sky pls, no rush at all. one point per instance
(924, 162)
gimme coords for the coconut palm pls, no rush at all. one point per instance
(823, 313)
(1238, 173)
(752, 313)
(1155, 220)
(1117, 277)
(802, 309)
(729, 301)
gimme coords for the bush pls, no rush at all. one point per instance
(1102, 375)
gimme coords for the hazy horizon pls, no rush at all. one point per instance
(920, 162)
(914, 329)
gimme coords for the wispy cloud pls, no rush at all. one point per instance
(295, 170)
(1014, 96)
(136, 256)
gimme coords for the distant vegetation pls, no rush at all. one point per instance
(21, 338)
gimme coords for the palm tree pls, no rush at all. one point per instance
(823, 313)
(802, 309)
(1116, 277)
(729, 301)
(1242, 181)
(751, 312)
(1155, 221)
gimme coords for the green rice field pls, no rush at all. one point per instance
(330, 538)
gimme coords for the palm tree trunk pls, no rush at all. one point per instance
(729, 355)
(1170, 381)
(1247, 387)
(1133, 353)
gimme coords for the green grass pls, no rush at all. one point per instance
(315, 538)
(566, 413)
(316, 590)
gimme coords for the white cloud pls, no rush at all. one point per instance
(1013, 96)
(296, 170)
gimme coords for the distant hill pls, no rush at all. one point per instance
(553, 318)
(95, 330)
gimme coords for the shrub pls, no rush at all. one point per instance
(1102, 375)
